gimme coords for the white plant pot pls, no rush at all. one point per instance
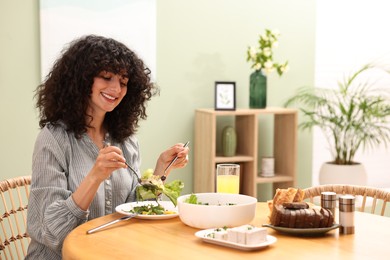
(343, 174)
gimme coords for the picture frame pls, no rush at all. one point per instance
(225, 95)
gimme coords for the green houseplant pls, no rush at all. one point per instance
(352, 116)
(261, 56)
(262, 60)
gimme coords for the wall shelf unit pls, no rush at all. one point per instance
(246, 126)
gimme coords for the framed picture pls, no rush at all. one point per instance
(225, 95)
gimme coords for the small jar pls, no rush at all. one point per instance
(328, 201)
(347, 214)
(268, 167)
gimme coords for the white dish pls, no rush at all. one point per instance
(202, 234)
(302, 231)
(223, 209)
(168, 205)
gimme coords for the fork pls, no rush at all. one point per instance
(174, 159)
(107, 143)
(111, 223)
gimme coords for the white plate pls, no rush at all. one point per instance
(168, 205)
(203, 235)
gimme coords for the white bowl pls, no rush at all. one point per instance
(218, 213)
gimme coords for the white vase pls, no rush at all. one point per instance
(343, 174)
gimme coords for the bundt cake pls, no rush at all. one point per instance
(288, 210)
(294, 215)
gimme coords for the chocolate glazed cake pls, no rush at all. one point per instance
(299, 215)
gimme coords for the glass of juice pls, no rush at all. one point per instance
(228, 178)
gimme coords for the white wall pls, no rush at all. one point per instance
(349, 34)
(131, 22)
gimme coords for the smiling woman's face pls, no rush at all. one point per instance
(108, 90)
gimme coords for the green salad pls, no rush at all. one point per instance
(193, 199)
(152, 186)
(151, 210)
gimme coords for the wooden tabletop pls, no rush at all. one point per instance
(171, 239)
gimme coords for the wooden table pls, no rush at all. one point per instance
(171, 239)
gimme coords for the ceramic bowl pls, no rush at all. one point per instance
(224, 209)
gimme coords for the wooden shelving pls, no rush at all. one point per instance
(246, 126)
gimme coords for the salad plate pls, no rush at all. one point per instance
(203, 234)
(126, 208)
(302, 231)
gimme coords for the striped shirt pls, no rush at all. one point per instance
(60, 163)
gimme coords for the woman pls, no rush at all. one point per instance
(95, 94)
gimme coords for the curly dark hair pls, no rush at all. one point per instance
(65, 93)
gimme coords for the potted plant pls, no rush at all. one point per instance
(261, 58)
(353, 116)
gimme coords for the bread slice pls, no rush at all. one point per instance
(299, 195)
(287, 196)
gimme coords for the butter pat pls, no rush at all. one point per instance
(241, 235)
(256, 236)
(232, 235)
(247, 235)
(221, 234)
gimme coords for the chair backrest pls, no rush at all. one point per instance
(366, 193)
(14, 198)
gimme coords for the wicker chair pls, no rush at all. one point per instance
(14, 239)
(374, 195)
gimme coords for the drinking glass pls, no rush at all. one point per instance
(228, 178)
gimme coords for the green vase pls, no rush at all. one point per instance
(229, 141)
(258, 90)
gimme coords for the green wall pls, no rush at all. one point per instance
(19, 75)
(198, 43)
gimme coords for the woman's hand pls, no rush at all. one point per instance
(168, 155)
(110, 158)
